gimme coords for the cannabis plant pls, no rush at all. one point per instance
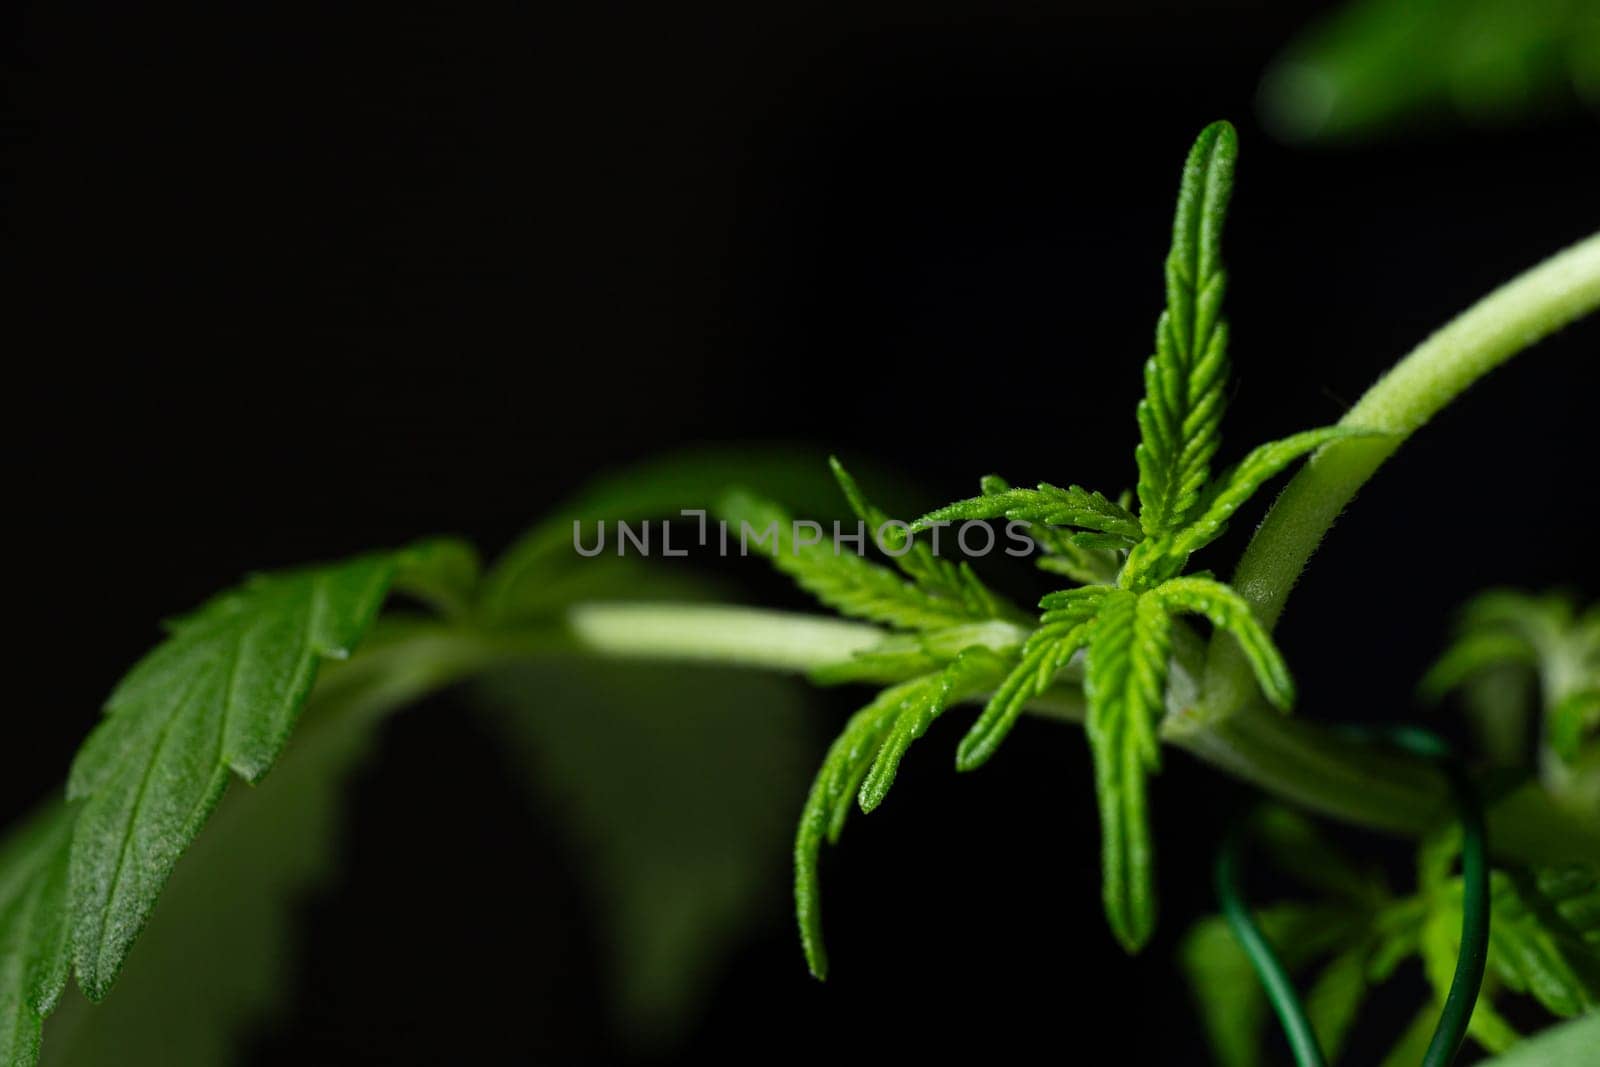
(1131, 636)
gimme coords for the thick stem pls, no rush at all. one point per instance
(406, 659)
(1294, 759)
(1524, 310)
(718, 634)
(1230, 726)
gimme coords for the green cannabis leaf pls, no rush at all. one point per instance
(924, 599)
(1062, 552)
(217, 958)
(1126, 674)
(963, 646)
(930, 593)
(33, 929)
(860, 767)
(1119, 624)
(219, 696)
(1047, 505)
(1180, 418)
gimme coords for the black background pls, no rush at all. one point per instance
(287, 282)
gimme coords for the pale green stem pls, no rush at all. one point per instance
(1524, 310)
(1294, 759)
(718, 634)
(1230, 726)
(404, 659)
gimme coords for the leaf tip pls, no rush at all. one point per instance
(94, 981)
(1133, 940)
(811, 942)
(973, 751)
(1219, 140)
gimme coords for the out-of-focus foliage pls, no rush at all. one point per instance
(1507, 646)
(1233, 1005)
(1353, 932)
(1560, 1046)
(541, 573)
(1544, 939)
(1376, 64)
(679, 785)
(33, 928)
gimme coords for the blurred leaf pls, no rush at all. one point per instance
(1413, 1043)
(1577, 716)
(1335, 996)
(681, 785)
(1375, 64)
(1474, 652)
(1544, 941)
(1232, 1004)
(1562, 1046)
(1545, 936)
(1299, 849)
(532, 576)
(1440, 946)
(33, 929)
(441, 572)
(1504, 635)
(1499, 703)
